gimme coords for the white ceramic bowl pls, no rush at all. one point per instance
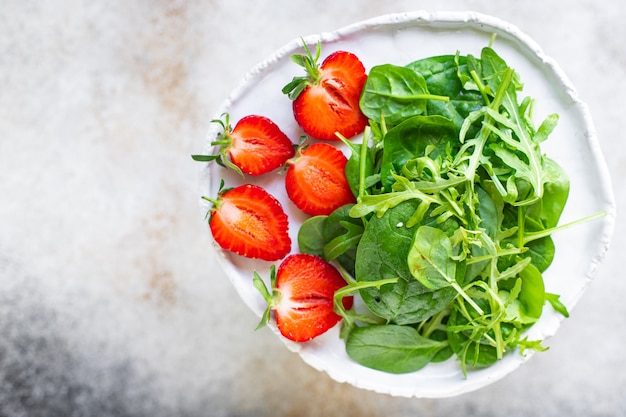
(401, 39)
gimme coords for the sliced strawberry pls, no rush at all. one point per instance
(255, 146)
(316, 180)
(302, 296)
(326, 101)
(250, 222)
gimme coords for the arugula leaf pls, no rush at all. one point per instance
(467, 341)
(361, 168)
(519, 135)
(404, 190)
(557, 305)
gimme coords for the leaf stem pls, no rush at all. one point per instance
(466, 297)
(354, 286)
(211, 200)
(480, 85)
(414, 97)
(529, 237)
(363, 161)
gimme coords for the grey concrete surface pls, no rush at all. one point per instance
(111, 303)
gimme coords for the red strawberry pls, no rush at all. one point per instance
(255, 146)
(326, 100)
(316, 180)
(250, 222)
(302, 296)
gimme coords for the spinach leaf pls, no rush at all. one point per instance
(394, 93)
(489, 212)
(382, 253)
(391, 348)
(541, 252)
(311, 236)
(342, 234)
(410, 139)
(444, 353)
(431, 261)
(430, 258)
(443, 77)
(532, 294)
(332, 237)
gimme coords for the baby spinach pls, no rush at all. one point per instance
(332, 237)
(380, 254)
(391, 348)
(532, 294)
(311, 236)
(443, 77)
(395, 93)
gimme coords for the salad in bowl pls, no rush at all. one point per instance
(406, 201)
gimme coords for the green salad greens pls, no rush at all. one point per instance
(450, 234)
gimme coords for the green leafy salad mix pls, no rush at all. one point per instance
(451, 231)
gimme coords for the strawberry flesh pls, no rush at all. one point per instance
(250, 222)
(332, 104)
(306, 285)
(259, 146)
(326, 100)
(316, 181)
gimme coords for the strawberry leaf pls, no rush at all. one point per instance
(205, 158)
(270, 298)
(310, 64)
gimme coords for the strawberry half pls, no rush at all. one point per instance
(255, 146)
(326, 100)
(250, 222)
(316, 180)
(302, 296)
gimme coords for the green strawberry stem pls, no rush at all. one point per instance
(313, 71)
(272, 299)
(224, 142)
(211, 200)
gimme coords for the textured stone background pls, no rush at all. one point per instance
(110, 300)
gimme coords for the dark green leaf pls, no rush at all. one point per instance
(311, 236)
(430, 258)
(394, 93)
(443, 77)
(382, 253)
(391, 348)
